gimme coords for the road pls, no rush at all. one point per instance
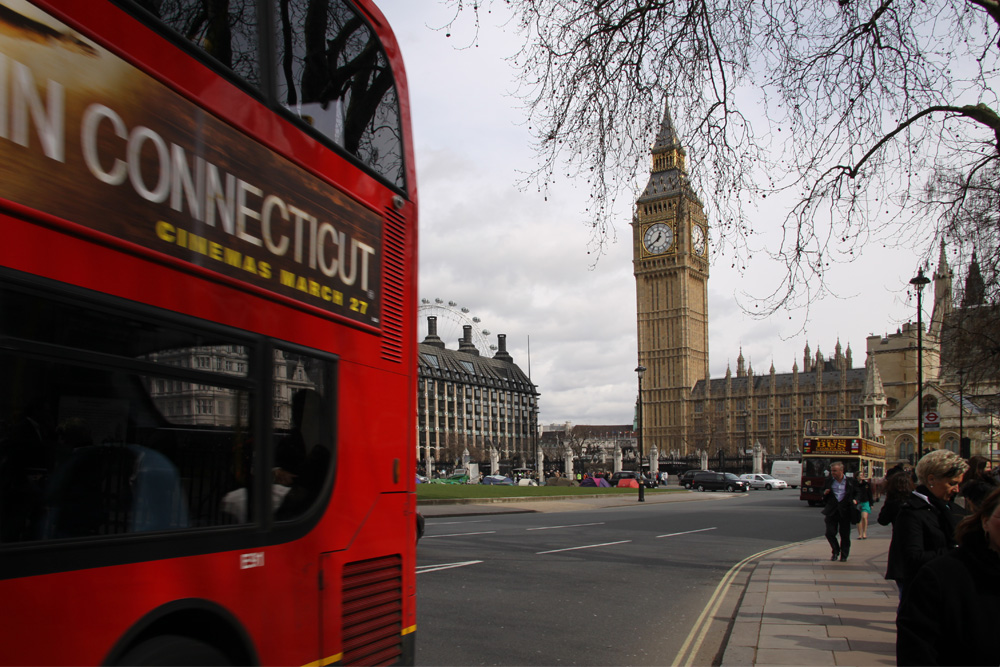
(623, 585)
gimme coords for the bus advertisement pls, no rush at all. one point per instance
(207, 331)
(846, 440)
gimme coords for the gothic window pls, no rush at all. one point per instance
(907, 449)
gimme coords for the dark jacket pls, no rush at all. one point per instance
(845, 508)
(923, 530)
(865, 492)
(950, 611)
(890, 510)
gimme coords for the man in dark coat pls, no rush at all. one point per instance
(840, 495)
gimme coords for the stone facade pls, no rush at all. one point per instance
(469, 403)
(670, 263)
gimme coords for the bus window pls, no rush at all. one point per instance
(333, 74)
(116, 425)
(303, 433)
(231, 37)
(816, 467)
(94, 451)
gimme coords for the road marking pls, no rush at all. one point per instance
(700, 629)
(588, 546)
(450, 523)
(686, 532)
(485, 532)
(572, 525)
(447, 566)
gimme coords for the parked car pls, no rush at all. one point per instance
(764, 481)
(686, 478)
(718, 481)
(631, 474)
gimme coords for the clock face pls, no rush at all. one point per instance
(698, 241)
(658, 238)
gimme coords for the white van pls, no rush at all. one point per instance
(790, 471)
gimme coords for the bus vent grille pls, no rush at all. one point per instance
(393, 286)
(373, 611)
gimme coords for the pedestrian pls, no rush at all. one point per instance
(864, 504)
(925, 525)
(840, 498)
(951, 610)
(977, 483)
(898, 487)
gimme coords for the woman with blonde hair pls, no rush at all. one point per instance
(951, 611)
(925, 525)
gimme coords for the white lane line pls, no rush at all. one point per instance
(572, 525)
(588, 546)
(446, 566)
(485, 532)
(686, 532)
(431, 522)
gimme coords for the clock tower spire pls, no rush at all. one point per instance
(670, 263)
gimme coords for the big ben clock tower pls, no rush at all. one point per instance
(670, 262)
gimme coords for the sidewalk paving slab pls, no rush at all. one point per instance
(817, 611)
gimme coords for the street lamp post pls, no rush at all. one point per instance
(961, 416)
(640, 371)
(746, 432)
(919, 282)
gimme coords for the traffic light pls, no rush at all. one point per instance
(965, 448)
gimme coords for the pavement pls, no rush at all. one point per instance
(797, 607)
(800, 608)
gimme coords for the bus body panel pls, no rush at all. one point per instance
(284, 597)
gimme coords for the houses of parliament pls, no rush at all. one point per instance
(686, 411)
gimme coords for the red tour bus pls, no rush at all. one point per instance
(207, 311)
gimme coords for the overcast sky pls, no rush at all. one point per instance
(521, 265)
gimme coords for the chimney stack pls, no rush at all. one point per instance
(432, 333)
(502, 353)
(465, 343)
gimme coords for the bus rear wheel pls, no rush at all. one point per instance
(174, 650)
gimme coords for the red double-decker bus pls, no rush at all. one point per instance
(208, 214)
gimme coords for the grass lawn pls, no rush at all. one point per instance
(456, 491)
